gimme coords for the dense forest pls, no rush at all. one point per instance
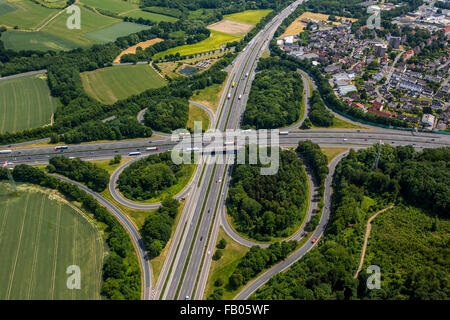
(146, 178)
(265, 206)
(157, 227)
(254, 262)
(167, 114)
(76, 169)
(411, 267)
(275, 97)
(121, 272)
(319, 115)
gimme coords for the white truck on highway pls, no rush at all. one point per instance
(5, 151)
(132, 154)
(152, 148)
(283, 133)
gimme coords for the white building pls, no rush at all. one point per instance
(428, 120)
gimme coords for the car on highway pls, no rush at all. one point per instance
(218, 180)
(365, 139)
(201, 238)
(345, 140)
(314, 240)
(229, 96)
(187, 298)
(240, 96)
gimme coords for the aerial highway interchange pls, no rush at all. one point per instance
(185, 270)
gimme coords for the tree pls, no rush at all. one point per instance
(221, 244)
(217, 255)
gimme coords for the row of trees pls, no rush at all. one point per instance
(265, 206)
(319, 114)
(147, 178)
(121, 273)
(76, 169)
(157, 227)
(254, 262)
(275, 97)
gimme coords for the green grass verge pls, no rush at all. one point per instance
(108, 85)
(210, 96)
(224, 267)
(25, 103)
(40, 237)
(137, 216)
(197, 114)
(339, 123)
(331, 153)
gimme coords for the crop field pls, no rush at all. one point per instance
(128, 8)
(115, 83)
(156, 17)
(214, 42)
(248, 16)
(25, 103)
(27, 14)
(116, 6)
(90, 21)
(40, 237)
(132, 49)
(37, 40)
(115, 31)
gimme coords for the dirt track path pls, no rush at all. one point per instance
(52, 18)
(366, 238)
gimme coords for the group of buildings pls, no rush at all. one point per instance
(395, 89)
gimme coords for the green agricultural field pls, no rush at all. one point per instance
(6, 7)
(40, 237)
(90, 21)
(37, 40)
(156, 17)
(116, 6)
(25, 103)
(28, 15)
(128, 8)
(115, 83)
(214, 42)
(115, 31)
(248, 16)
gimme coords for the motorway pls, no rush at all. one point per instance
(186, 266)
